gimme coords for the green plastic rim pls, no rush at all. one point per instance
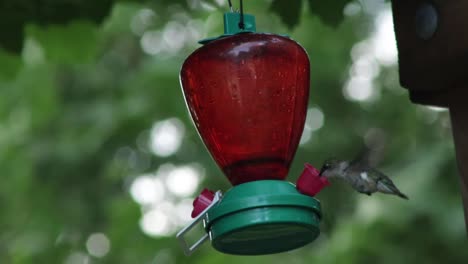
(263, 217)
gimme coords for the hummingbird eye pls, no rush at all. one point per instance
(325, 167)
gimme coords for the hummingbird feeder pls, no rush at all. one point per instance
(247, 93)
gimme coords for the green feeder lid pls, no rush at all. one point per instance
(232, 27)
(263, 217)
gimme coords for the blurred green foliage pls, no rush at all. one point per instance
(78, 103)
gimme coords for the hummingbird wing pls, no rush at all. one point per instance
(361, 160)
(370, 155)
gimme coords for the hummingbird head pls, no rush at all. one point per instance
(333, 168)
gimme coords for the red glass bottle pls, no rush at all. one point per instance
(248, 95)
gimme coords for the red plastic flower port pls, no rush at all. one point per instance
(310, 183)
(202, 202)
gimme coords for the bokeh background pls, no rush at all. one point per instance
(100, 161)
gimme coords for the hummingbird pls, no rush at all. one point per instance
(362, 177)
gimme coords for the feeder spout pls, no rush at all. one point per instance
(203, 200)
(310, 182)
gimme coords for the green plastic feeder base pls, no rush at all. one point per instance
(263, 217)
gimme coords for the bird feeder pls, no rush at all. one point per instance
(247, 93)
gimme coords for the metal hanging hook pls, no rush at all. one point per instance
(241, 13)
(241, 22)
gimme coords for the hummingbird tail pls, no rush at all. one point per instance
(402, 195)
(385, 185)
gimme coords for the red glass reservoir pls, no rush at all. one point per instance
(248, 95)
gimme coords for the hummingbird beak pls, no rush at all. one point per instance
(321, 171)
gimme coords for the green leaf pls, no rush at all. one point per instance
(289, 11)
(12, 38)
(17, 13)
(9, 65)
(71, 43)
(39, 93)
(330, 12)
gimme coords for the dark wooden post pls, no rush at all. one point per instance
(432, 39)
(459, 114)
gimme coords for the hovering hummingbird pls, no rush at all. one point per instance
(360, 176)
